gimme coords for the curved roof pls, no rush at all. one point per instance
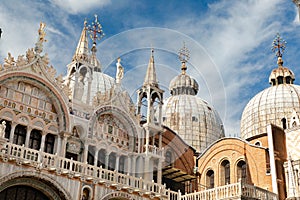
(272, 105)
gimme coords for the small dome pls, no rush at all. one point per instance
(274, 105)
(281, 75)
(193, 119)
(183, 84)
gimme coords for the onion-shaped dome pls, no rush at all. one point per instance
(275, 105)
(192, 118)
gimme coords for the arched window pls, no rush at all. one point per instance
(35, 139)
(225, 172)
(242, 171)
(210, 179)
(49, 143)
(101, 158)
(283, 120)
(112, 161)
(86, 194)
(122, 164)
(20, 135)
(168, 158)
(91, 153)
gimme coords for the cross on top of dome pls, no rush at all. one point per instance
(278, 45)
(184, 56)
(95, 30)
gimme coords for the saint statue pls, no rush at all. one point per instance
(2, 129)
(120, 71)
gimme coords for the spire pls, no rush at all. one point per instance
(150, 78)
(82, 49)
(184, 56)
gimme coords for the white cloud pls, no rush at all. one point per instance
(79, 6)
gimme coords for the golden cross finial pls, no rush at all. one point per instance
(184, 56)
(95, 30)
(278, 45)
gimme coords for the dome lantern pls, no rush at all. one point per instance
(280, 75)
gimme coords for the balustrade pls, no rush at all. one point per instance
(65, 166)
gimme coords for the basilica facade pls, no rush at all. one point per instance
(80, 136)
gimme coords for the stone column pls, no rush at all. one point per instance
(75, 85)
(85, 153)
(12, 132)
(96, 157)
(43, 141)
(64, 136)
(29, 129)
(159, 172)
(106, 159)
(58, 146)
(88, 96)
(117, 162)
(128, 159)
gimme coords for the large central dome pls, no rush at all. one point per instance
(197, 122)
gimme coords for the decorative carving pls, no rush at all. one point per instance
(21, 61)
(30, 55)
(45, 59)
(51, 72)
(9, 61)
(74, 145)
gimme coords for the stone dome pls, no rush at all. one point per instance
(192, 118)
(276, 105)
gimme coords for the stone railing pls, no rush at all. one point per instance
(85, 172)
(154, 150)
(236, 190)
(74, 169)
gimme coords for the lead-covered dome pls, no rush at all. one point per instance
(276, 105)
(192, 118)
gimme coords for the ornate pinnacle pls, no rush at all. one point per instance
(95, 30)
(184, 56)
(278, 45)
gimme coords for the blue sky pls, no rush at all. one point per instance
(230, 41)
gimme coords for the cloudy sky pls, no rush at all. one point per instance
(229, 41)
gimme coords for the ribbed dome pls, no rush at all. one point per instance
(275, 105)
(183, 84)
(193, 119)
